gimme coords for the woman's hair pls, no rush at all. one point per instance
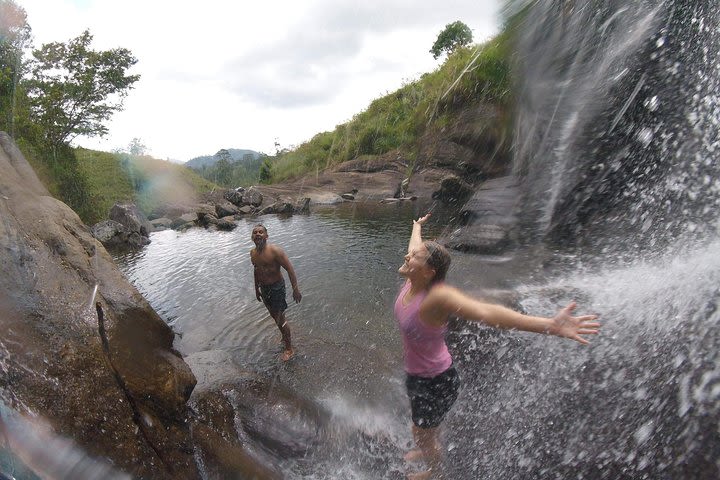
(438, 259)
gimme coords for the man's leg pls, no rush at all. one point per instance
(281, 323)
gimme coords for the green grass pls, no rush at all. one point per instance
(145, 181)
(471, 75)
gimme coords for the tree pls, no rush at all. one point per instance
(224, 154)
(455, 35)
(15, 36)
(74, 89)
(137, 147)
(265, 171)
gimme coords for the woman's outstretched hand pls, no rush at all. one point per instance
(565, 325)
(422, 220)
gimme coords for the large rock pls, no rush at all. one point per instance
(474, 144)
(129, 215)
(488, 218)
(106, 377)
(453, 189)
(116, 235)
(252, 196)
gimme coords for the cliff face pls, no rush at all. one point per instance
(98, 367)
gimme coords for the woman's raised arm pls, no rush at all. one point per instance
(416, 235)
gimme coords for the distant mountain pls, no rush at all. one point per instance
(237, 154)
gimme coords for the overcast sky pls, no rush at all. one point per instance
(234, 74)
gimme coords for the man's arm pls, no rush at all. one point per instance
(284, 262)
(255, 277)
(445, 300)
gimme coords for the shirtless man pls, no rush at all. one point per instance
(270, 284)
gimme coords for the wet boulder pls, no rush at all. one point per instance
(111, 382)
(162, 223)
(453, 189)
(226, 209)
(302, 205)
(127, 227)
(278, 207)
(117, 236)
(131, 217)
(252, 196)
(235, 196)
(487, 218)
(226, 223)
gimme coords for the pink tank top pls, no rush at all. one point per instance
(426, 354)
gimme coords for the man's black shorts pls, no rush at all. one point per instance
(274, 296)
(431, 398)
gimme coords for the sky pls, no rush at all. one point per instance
(235, 74)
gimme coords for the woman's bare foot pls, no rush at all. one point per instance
(287, 355)
(414, 455)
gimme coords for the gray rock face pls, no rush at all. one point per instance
(453, 189)
(116, 235)
(131, 217)
(489, 217)
(252, 196)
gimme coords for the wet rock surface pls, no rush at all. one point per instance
(56, 364)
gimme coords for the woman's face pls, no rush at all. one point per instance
(415, 263)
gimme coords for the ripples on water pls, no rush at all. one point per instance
(348, 352)
(201, 282)
(636, 403)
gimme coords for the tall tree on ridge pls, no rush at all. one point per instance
(454, 35)
(15, 35)
(73, 89)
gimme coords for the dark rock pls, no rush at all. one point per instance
(488, 218)
(278, 207)
(185, 220)
(235, 196)
(225, 209)
(131, 217)
(116, 235)
(162, 223)
(302, 205)
(453, 189)
(226, 223)
(252, 196)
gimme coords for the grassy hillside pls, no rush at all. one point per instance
(92, 181)
(146, 181)
(472, 75)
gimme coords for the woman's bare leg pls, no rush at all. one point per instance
(428, 441)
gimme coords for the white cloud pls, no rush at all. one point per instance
(218, 74)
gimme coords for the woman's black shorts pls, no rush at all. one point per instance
(431, 398)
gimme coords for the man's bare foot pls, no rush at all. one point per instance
(414, 455)
(287, 355)
(420, 475)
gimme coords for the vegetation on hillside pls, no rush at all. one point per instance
(140, 179)
(63, 90)
(470, 75)
(230, 171)
(68, 89)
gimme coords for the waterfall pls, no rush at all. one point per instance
(617, 129)
(616, 147)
